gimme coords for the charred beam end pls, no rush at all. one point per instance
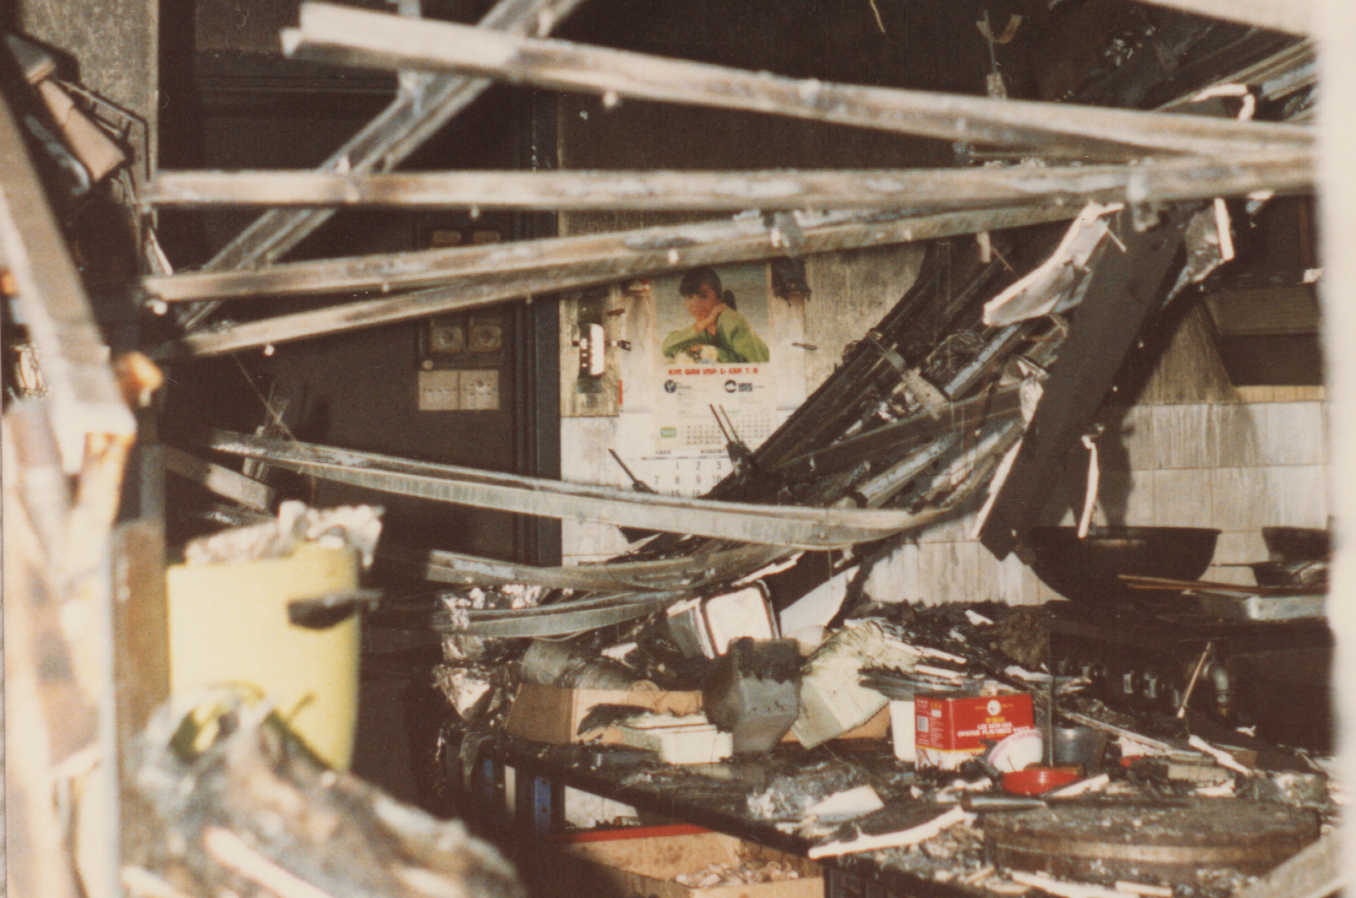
(387, 41)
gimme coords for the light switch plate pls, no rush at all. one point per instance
(440, 391)
(480, 390)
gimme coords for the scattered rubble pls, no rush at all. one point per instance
(749, 872)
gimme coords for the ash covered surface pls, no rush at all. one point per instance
(775, 790)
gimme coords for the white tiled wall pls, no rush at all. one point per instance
(1253, 465)
(1237, 467)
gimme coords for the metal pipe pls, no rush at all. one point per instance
(1195, 675)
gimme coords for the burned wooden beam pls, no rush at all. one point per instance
(933, 190)
(1287, 71)
(686, 572)
(781, 525)
(357, 37)
(422, 106)
(480, 276)
(1125, 287)
(962, 417)
(63, 676)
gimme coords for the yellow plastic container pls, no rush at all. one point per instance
(228, 625)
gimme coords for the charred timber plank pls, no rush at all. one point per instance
(1124, 289)
(619, 254)
(775, 525)
(420, 109)
(890, 438)
(687, 572)
(480, 276)
(1288, 70)
(358, 37)
(934, 190)
(554, 620)
(838, 402)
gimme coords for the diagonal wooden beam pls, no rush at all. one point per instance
(422, 106)
(472, 277)
(371, 39)
(937, 190)
(43, 284)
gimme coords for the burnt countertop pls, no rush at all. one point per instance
(747, 797)
(1140, 832)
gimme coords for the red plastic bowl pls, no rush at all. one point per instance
(1038, 780)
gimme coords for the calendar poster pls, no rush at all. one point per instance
(716, 368)
(710, 347)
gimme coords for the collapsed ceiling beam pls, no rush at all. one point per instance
(1286, 16)
(483, 275)
(686, 572)
(1288, 71)
(358, 37)
(937, 190)
(423, 105)
(791, 526)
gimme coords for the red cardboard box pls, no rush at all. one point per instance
(951, 729)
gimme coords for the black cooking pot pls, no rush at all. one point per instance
(1089, 569)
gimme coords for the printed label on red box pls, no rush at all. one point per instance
(966, 724)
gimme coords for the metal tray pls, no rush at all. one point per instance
(1240, 606)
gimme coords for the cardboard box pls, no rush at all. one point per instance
(646, 867)
(553, 713)
(951, 730)
(878, 727)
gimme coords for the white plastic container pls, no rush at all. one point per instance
(904, 729)
(693, 741)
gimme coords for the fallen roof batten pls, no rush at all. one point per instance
(777, 525)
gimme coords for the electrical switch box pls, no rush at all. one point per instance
(440, 391)
(479, 390)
